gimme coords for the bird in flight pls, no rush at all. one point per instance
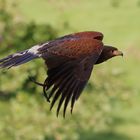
(70, 60)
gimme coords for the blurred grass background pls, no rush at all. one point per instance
(109, 106)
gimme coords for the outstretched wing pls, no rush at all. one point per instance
(68, 81)
(70, 62)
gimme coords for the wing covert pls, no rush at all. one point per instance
(72, 48)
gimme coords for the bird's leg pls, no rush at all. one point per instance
(44, 87)
(31, 79)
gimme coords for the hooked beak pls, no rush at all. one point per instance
(117, 53)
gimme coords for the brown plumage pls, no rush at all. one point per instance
(70, 60)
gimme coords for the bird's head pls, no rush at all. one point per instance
(107, 53)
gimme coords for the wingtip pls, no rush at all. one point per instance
(51, 108)
(71, 111)
(57, 114)
(64, 115)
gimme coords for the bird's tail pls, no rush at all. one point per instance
(17, 59)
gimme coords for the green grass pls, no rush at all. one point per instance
(120, 25)
(88, 15)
